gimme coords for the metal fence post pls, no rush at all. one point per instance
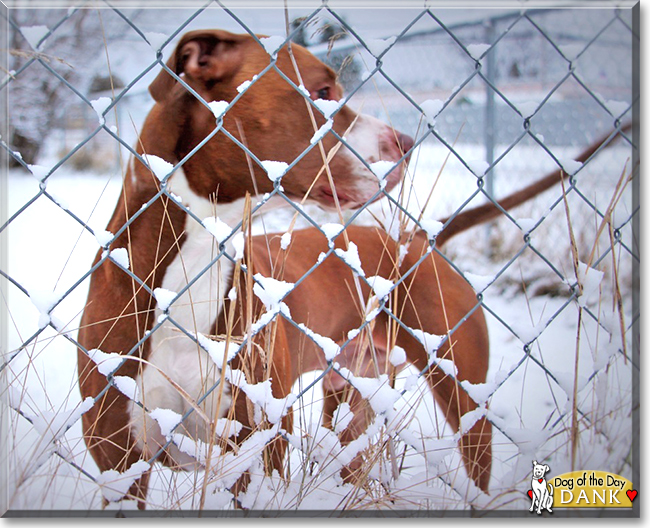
(489, 125)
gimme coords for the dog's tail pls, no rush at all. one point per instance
(481, 214)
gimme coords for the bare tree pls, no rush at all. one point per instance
(37, 97)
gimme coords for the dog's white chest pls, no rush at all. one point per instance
(179, 372)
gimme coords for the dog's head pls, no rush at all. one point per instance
(539, 470)
(272, 120)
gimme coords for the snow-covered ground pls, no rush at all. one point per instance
(531, 404)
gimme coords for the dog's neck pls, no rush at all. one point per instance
(230, 212)
(199, 307)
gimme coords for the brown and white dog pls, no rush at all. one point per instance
(167, 249)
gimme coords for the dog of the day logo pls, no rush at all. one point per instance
(541, 492)
(578, 489)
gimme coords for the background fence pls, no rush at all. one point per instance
(494, 99)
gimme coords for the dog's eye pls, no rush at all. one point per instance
(323, 93)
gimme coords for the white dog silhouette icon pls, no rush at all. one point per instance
(542, 492)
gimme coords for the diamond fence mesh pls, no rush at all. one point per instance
(494, 100)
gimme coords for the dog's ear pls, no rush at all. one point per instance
(201, 58)
(546, 469)
(534, 463)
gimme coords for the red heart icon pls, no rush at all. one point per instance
(530, 493)
(631, 494)
(540, 480)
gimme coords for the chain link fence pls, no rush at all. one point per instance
(494, 99)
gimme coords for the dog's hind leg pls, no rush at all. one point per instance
(434, 299)
(476, 443)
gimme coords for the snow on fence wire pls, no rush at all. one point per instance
(518, 94)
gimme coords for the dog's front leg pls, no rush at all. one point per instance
(532, 504)
(541, 501)
(267, 359)
(335, 392)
